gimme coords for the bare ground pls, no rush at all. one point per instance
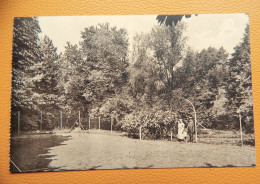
(100, 150)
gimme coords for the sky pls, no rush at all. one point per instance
(204, 30)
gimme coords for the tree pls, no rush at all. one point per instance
(202, 79)
(46, 68)
(105, 49)
(171, 20)
(44, 83)
(104, 43)
(34, 75)
(168, 45)
(74, 72)
(152, 70)
(240, 89)
(144, 76)
(25, 54)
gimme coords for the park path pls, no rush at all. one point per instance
(84, 151)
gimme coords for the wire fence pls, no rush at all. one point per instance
(46, 121)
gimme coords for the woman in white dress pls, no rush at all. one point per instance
(182, 134)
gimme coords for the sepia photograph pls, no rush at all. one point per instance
(131, 92)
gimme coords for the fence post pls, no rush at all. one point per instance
(99, 123)
(60, 120)
(111, 121)
(79, 118)
(196, 130)
(171, 135)
(140, 133)
(41, 122)
(241, 131)
(18, 123)
(89, 123)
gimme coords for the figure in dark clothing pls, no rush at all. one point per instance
(191, 129)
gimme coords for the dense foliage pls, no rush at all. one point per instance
(154, 123)
(147, 87)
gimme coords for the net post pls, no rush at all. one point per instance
(241, 131)
(99, 122)
(60, 120)
(111, 121)
(140, 133)
(41, 122)
(89, 123)
(18, 123)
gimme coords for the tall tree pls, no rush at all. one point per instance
(105, 49)
(44, 83)
(168, 45)
(74, 72)
(47, 68)
(202, 79)
(143, 68)
(240, 89)
(24, 55)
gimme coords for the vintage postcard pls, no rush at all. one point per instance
(131, 91)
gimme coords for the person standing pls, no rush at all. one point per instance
(190, 128)
(181, 127)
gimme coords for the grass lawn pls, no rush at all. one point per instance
(102, 150)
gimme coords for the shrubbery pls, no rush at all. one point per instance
(155, 124)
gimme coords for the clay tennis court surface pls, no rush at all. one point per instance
(102, 150)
